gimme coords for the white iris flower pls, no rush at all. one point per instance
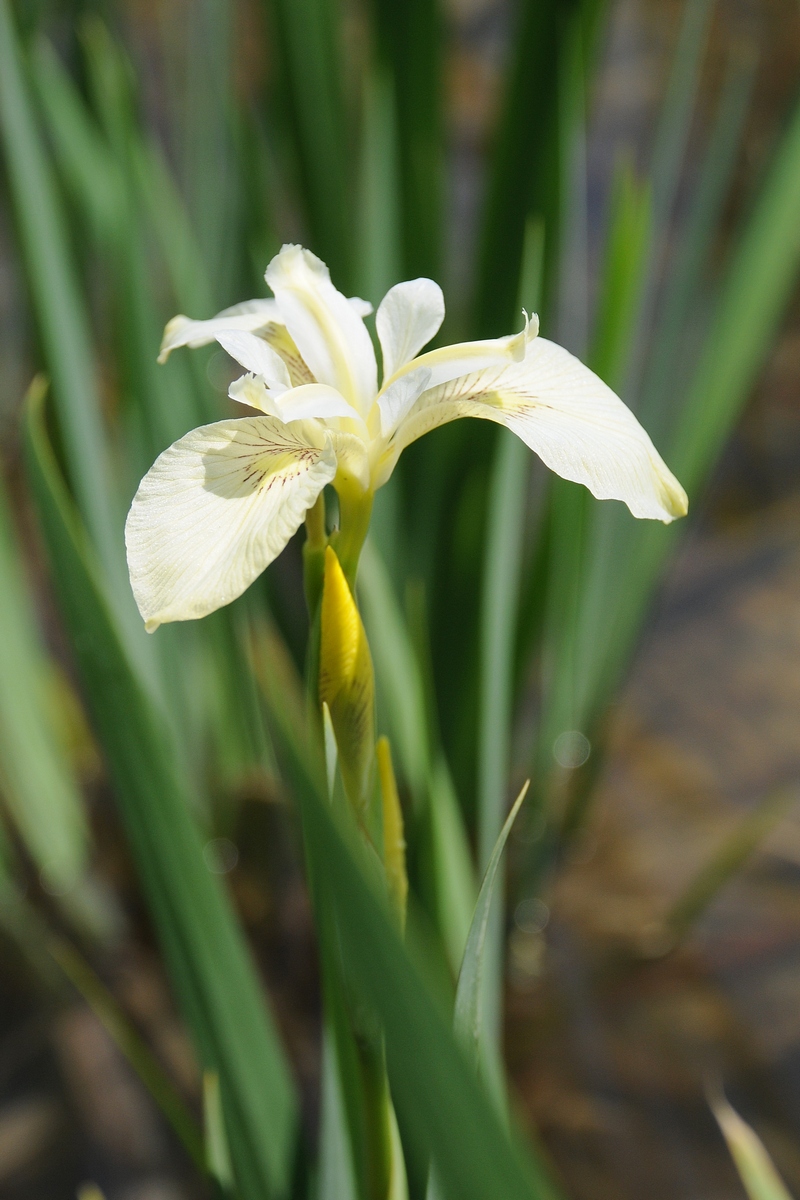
(222, 502)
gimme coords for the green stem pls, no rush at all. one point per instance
(314, 554)
(355, 510)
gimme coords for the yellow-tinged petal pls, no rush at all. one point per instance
(257, 357)
(325, 326)
(569, 417)
(216, 508)
(346, 681)
(252, 316)
(407, 318)
(464, 358)
(394, 842)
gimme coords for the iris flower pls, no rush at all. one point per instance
(220, 504)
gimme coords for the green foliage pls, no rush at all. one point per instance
(202, 944)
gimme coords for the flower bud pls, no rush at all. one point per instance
(347, 682)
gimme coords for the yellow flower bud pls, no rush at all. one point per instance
(347, 681)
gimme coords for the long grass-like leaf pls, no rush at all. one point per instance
(60, 310)
(310, 40)
(203, 946)
(756, 1168)
(403, 700)
(435, 1091)
(667, 162)
(468, 1020)
(38, 786)
(410, 38)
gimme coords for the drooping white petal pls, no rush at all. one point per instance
(400, 397)
(250, 316)
(463, 358)
(408, 317)
(569, 417)
(329, 334)
(256, 356)
(216, 508)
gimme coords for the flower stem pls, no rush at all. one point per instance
(314, 554)
(355, 510)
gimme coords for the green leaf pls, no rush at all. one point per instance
(526, 174)
(203, 946)
(755, 1167)
(669, 150)
(435, 1090)
(453, 874)
(38, 786)
(309, 37)
(468, 1021)
(685, 297)
(404, 705)
(217, 1150)
(410, 46)
(60, 312)
(379, 250)
(622, 275)
(336, 1172)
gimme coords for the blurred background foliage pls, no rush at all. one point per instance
(629, 170)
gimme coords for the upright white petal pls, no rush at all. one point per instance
(409, 315)
(463, 358)
(251, 316)
(568, 416)
(216, 508)
(256, 356)
(329, 334)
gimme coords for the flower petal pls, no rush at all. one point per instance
(250, 316)
(216, 508)
(257, 357)
(315, 400)
(352, 456)
(408, 317)
(251, 389)
(569, 417)
(400, 397)
(464, 358)
(329, 334)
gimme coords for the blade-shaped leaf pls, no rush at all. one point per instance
(435, 1091)
(37, 784)
(755, 1167)
(203, 946)
(310, 41)
(59, 309)
(468, 1019)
